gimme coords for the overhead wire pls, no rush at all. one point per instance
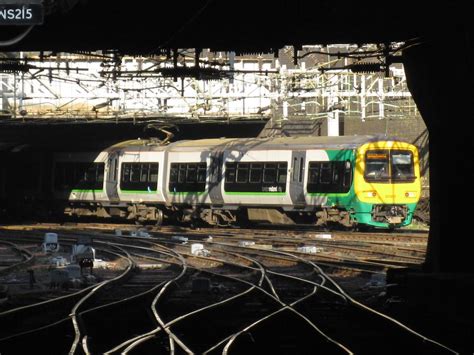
(18, 38)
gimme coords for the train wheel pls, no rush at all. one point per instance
(159, 218)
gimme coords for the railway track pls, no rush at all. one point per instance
(248, 292)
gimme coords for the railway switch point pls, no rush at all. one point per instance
(50, 243)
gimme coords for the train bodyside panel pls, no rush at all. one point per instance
(186, 181)
(141, 177)
(328, 181)
(257, 178)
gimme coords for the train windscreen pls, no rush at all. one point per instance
(389, 166)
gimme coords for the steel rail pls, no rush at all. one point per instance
(289, 308)
(73, 314)
(151, 290)
(43, 303)
(144, 337)
(380, 314)
(29, 257)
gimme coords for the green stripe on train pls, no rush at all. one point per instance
(138, 191)
(269, 193)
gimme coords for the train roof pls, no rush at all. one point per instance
(306, 142)
(138, 145)
(243, 144)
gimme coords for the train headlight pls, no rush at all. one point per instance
(410, 194)
(370, 193)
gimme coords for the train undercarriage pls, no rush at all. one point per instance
(197, 215)
(211, 216)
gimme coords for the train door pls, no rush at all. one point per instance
(111, 181)
(215, 177)
(296, 177)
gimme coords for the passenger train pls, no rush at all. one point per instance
(352, 181)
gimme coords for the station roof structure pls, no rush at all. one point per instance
(146, 27)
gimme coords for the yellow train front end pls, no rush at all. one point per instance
(386, 184)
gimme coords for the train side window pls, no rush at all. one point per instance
(100, 172)
(182, 173)
(115, 169)
(295, 169)
(282, 173)
(135, 173)
(139, 176)
(313, 174)
(326, 173)
(255, 173)
(230, 172)
(242, 172)
(300, 177)
(144, 170)
(79, 175)
(269, 173)
(201, 174)
(329, 177)
(187, 177)
(256, 177)
(191, 173)
(153, 173)
(347, 179)
(174, 173)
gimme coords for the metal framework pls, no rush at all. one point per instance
(200, 85)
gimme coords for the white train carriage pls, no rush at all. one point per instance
(141, 174)
(268, 179)
(256, 175)
(135, 179)
(194, 172)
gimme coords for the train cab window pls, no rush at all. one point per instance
(255, 177)
(402, 165)
(389, 166)
(329, 177)
(187, 177)
(139, 176)
(377, 165)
